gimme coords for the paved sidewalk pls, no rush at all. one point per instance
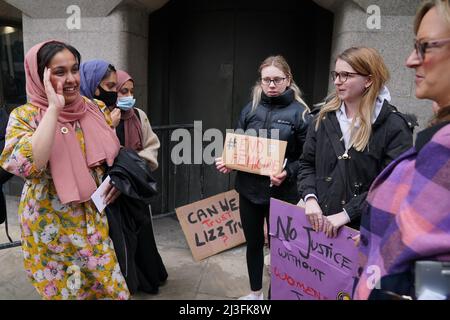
(220, 277)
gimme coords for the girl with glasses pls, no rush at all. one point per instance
(356, 134)
(276, 105)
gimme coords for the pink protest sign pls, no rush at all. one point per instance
(306, 265)
(254, 154)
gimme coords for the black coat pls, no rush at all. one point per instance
(130, 223)
(345, 184)
(289, 116)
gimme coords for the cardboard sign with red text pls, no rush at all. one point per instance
(254, 154)
(212, 225)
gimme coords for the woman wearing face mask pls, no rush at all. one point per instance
(142, 265)
(276, 105)
(134, 130)
(60, 144)
(355, 135)
(99, 83)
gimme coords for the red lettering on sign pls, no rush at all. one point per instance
(208, 222)
(291, 281)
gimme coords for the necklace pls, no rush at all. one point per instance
(345, 156)
(347, 130)
(348, 145)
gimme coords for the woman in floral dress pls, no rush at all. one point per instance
(60, 143)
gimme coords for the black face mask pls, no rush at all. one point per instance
(108, 97)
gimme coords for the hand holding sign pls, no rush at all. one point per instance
(278, 179)
(357, 240)
(220, 165)
(334, 222)
(314, 214)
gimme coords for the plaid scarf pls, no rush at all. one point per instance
(408, 213)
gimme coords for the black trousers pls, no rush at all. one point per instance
(252, 218)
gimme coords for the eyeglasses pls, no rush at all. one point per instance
(277, 81)
(421, 47)
(343, 76)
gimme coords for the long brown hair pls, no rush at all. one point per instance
(366, 61)
(280, 63)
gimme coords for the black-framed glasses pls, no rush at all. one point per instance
(421, 47)
(277, 81)
(343, 76)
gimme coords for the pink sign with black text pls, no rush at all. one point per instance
(306, 265)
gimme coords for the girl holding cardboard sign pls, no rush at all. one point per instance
(276, 105)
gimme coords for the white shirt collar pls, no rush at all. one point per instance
(345, 123)
(384, 95)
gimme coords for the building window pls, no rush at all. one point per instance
(12, 82)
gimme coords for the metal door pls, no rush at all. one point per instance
(204, 57)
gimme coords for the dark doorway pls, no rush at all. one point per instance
(12, 82)
(12, 74)
(204, 57)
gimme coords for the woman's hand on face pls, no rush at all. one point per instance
(278, 179)
(314, 214)
(111, 194)
(115, 117)
(54, 98)
(220, 165)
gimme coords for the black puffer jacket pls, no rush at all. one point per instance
(289, 117)
(345, 185)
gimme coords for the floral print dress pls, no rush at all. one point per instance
(67, 250)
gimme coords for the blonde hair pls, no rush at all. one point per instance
(280, 63)
(365, 61)
(443, 8)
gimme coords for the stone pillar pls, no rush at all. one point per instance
(9, 13)
(113, 30)
(394, 40)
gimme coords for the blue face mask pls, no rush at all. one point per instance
(126, 103)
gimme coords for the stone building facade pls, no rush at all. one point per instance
(197, 59)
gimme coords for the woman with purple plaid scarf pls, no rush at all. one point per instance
(408, 207)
